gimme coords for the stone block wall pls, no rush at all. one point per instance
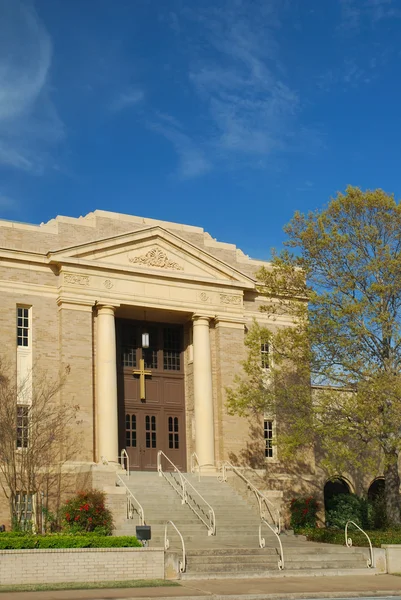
(80, 565)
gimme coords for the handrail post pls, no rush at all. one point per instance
(262, 542)
(348, 543)
(182, 564)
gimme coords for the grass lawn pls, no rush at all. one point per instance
(47, 587)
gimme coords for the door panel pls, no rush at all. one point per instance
(158, 421)
(131, 439)
(151, 443)
(175, 433)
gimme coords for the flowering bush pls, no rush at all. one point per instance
(303, 512)
(87, 512)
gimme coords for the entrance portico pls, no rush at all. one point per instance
(157, 272)
(152, 410)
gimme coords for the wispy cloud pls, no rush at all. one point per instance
(357, 13)
(192, 159)
(127, 99)
(251, 110)
(29, 123)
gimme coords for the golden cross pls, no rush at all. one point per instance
(142, 374)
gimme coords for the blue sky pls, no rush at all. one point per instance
(227, 114)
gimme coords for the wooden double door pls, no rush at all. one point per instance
(151, 415)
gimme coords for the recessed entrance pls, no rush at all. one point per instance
(151, 393)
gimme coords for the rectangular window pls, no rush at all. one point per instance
(22, 326)
(24, 510)
(268, 433)
(171, 349)
(129, 344)
(264, 355)
(22, 425)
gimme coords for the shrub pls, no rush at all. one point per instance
(303, 512)
(336, 536)
(87, 512)
(83, 540)
(345, 507)
(377, 512)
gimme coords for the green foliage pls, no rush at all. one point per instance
(338, 288)
(336, 536)
(19, 541)
(377, 512)
(345, 507)
(87, 512)
(303, 512)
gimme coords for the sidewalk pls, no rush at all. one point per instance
(237, 589)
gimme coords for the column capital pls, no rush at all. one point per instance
(199, 318)
(105, 309)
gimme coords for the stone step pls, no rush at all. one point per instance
(194, 561)
(230, 552)
(237, 567)
(284, 573)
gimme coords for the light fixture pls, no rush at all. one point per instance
(145, 340)
(145, 334)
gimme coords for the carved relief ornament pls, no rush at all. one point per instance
(230, 299)
(156, 258)
(76, 279)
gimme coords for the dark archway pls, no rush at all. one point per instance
(335, 487)
(376, 489)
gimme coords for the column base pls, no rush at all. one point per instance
(209, 470)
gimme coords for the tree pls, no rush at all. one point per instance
(339, 283)
(36, 439)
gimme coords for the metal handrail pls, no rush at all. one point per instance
(261, 498)
(122, 459)
(125, 460)
(209, 518)
(194, 457)
(348, 542)
(131, 501)
(262, 542)
(182, 563)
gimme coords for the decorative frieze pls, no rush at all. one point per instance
(76, 279)
(108, 284)
(231, 299)
(156, 258)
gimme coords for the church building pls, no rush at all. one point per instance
(150, 318)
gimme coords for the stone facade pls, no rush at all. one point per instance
(78, 275)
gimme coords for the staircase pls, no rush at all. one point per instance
(234, 550)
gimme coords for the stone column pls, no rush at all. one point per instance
(203, 391)
(106, 384)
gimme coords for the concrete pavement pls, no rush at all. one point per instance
(237, 589)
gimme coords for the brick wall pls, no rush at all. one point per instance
(75, 343)
(80, 564)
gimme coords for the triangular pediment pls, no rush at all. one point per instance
(152, 250)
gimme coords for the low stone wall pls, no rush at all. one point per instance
(80, 564)
(393, 557)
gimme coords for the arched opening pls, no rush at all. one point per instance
(376, 489)
(335, 487)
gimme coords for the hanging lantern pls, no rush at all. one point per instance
(145, 340)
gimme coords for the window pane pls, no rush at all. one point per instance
(129, 345)
(127, 431)
(268, 435)
(172, 348)
(264, 354)
(22, 326)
